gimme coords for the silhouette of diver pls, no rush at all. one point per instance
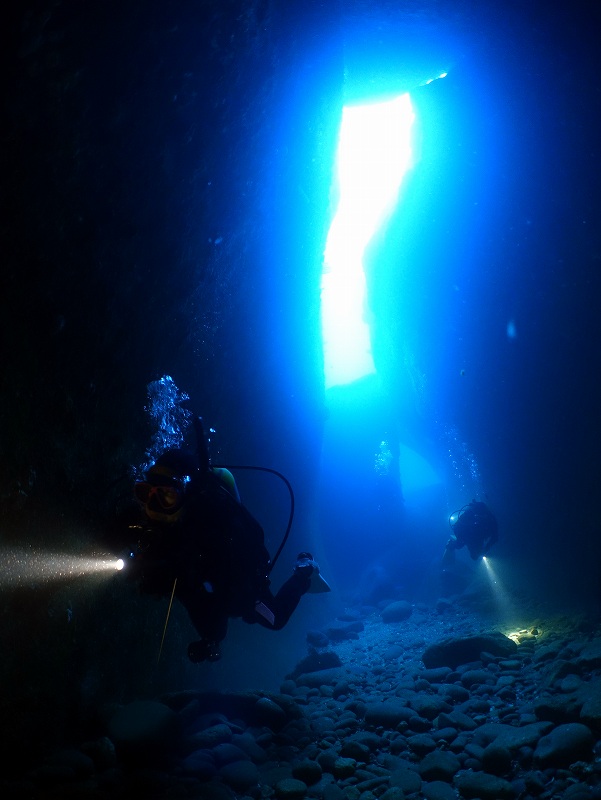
(474, 526)
(196, 541)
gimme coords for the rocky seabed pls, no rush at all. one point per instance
(407, 703)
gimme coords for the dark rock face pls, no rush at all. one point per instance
(149, 191)
(453, 652)
(147, 156)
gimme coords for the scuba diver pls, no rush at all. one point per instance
(474, 526)
(198, 543)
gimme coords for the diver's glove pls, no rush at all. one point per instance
(203, 650)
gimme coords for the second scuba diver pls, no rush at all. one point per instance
(474, 526)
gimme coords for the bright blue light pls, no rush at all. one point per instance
(374, 152)
(417, 475)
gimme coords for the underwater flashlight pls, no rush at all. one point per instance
(119, 564)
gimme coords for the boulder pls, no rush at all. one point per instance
(455, 651)
(388, 714)
(590, 713)
(397, 612)
(437, 675)
(269, 713)
(564, 745)
(235, 705)
(558, 708)
(322, 677)
(484, 786)
(315, 662)
(438, 790)
(209, 737)
(440, 765)
(200, 765)
(240, 775)
(405, 779)
(307, 771)
(290, 789)
(496, 759)
(429, 706)
(340, 631)
(143, 728)
(510, 736)
(590, 656)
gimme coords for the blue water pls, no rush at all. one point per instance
(483, 330)
(171, 183)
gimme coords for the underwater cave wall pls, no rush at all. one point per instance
(163, 167)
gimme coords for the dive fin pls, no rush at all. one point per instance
(265, 612)
(318, 583)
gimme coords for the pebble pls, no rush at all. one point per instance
(402, 712)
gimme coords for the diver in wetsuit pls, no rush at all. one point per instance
(196, 540)
(474, 526)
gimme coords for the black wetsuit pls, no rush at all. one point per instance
(476, 528)
(218, 556)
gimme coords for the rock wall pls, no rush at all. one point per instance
(164, 169)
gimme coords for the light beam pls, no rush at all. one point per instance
(20, 567)
(498, 590)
